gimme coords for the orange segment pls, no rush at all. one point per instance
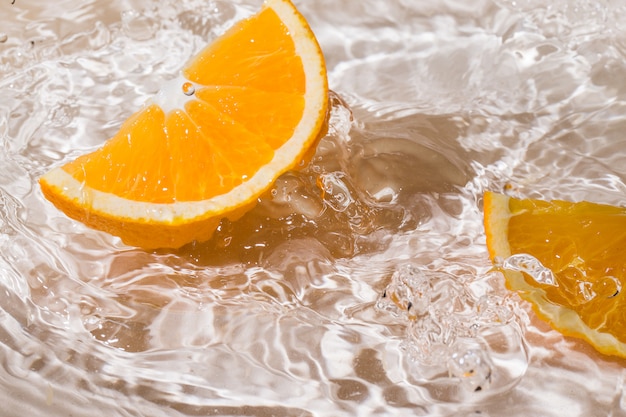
(275, 123)
(248, 108)
(263, 42)
(581, 245)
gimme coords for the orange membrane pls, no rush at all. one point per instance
(282, 311)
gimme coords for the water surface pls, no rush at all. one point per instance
(287, 312)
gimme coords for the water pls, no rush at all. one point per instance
(359, 285)
(531, 266)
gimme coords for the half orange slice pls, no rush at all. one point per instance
(245, 110)
(567, 259)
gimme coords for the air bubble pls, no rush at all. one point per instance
(531, 266)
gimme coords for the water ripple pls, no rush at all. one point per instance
(360, 284)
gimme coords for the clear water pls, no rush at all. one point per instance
(358, 286)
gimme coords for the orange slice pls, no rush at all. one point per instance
(241, 113)
(567, 259)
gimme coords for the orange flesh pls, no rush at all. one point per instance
(220, 138)
(583, 244)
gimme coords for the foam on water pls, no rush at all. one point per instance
(359, 285)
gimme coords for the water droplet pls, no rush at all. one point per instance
(607, 287)
(531, 266)
(137, 26)
(3, 37)
(341, 117)
(189, 89)
(586, 290)
(494, 310)
(336, 192)
(408, 293)
(386, 195)
(473, 367)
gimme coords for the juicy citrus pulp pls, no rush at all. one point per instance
(582, 244)
(243, 111)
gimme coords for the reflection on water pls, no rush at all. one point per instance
(359, 285)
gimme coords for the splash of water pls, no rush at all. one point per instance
(282, 312)
(451, 329)
(531, 266)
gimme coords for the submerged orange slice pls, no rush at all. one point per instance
(243, 111)
(567, 259)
